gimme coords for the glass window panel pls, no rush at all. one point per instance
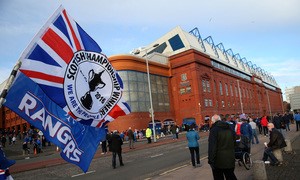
(160, 88)
(160, 98)
(153, 87)
(210, 103)
(141, 96)
(164, 80)
(141, 87)
(126, 95)
(147, 97)
(123, 75)
(208, 86)
(152, 78)
(143, 107)
(132, 76)
(132, 86)
(145, 77)
(221, 89)
(146, 87)
(140, 77)
(205, 102)
(134, 106)
(166, 99)
(204, 85)
(125, 85)
(165, 89)
(155, 97)
(133, 96)
(159, 80)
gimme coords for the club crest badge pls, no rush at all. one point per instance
(91, 85)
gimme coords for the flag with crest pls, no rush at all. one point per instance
(67, 88)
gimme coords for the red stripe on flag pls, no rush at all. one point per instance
(100, 123)
(43, 76)
(72, 115)
(58, 45)
(116, 112)
(77, 44)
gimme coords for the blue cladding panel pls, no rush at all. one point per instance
(176, 43)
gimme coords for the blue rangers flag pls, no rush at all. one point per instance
(66, 87)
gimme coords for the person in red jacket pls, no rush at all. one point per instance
(264, 123)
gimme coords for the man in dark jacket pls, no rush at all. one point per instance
(115, 146)
(276, 142)
(221, 143)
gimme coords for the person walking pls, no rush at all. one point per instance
(287, 120)
(254, 134)
(130, 135)
(258, 124)
(297, 119)
(104, 144)
(192, 137)
(276, 142)
(148, 135)
(174, 131)
(221, 143)
(246, 134)
(264, 124)
(115, 146)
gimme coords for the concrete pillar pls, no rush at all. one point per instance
(288, 147)
(259, 170)
(278, 154)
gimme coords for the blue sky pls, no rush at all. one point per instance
(265, 32)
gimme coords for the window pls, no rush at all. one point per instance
(236, 92)
(204, 85)
(205, 102)
(231, 91)
(207, 86)
(215, 87)
(223, 104)
(210, 103)
(176, 42)
(226, 89)
(221, 89)
(136, 91)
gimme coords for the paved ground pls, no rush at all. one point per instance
(290, 169)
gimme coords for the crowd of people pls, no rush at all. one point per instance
(224, 132)
(32, 140)
(227, 131)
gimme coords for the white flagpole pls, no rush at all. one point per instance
(9, 82)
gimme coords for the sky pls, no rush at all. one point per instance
(265, 32)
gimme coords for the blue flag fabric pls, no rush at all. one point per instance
(78, 142)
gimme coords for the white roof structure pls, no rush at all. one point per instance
(178, 40)
(2, 86)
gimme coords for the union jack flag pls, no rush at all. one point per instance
(46, 61)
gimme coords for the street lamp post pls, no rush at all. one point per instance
(151, 110)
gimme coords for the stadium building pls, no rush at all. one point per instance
(191, 79)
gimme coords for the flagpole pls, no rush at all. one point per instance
(9, 82)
